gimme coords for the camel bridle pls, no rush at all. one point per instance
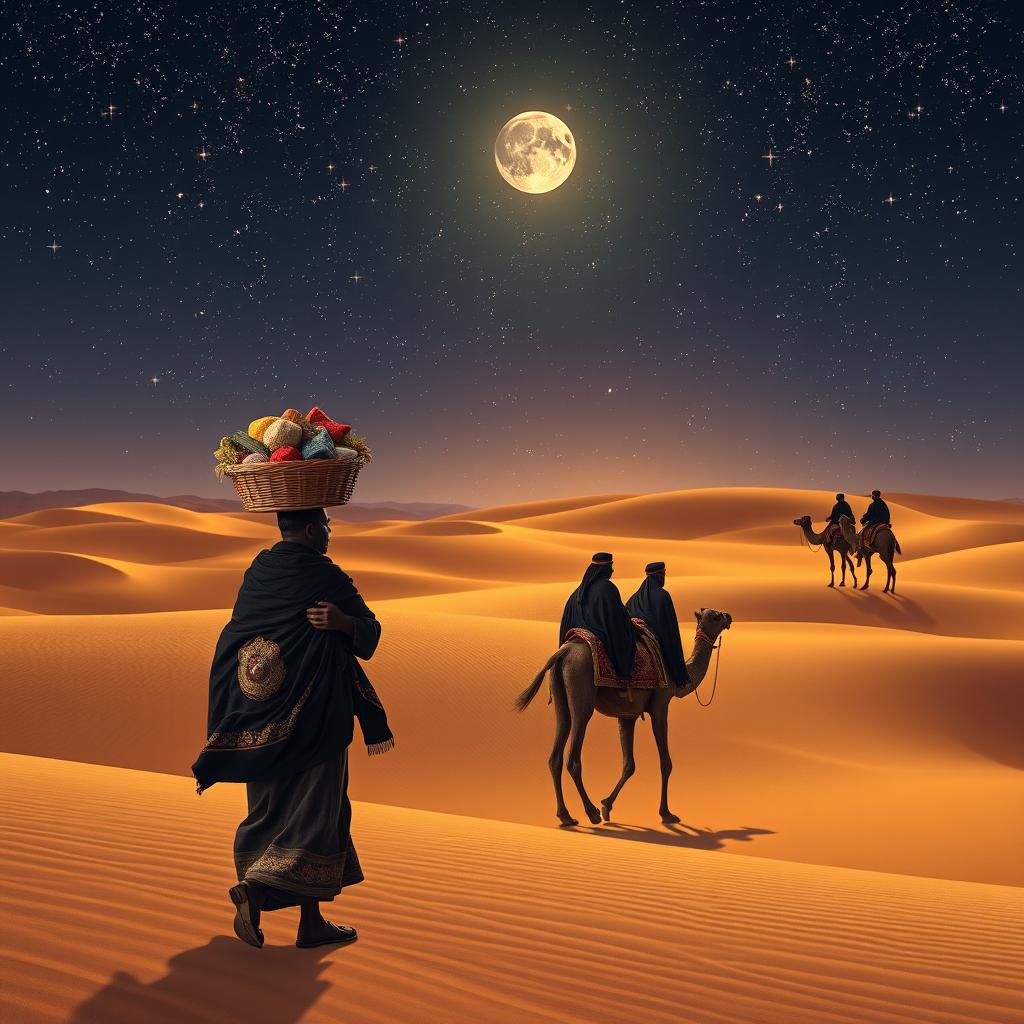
(701, 635)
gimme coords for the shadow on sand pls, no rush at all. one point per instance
(893, 610)
(223, 980)
(688, 836)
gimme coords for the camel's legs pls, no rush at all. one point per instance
(581, 707)
(853, 571)
(563, 721)
(867, 562)
(890, 581)
(659, 726)
(831, 565)
(627, 730)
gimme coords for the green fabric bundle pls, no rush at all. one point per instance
(319, 446)
(250, 444)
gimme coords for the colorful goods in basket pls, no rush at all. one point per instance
(282, 432)
(290, 437)
(320, 419)
(319, 446)
(257, 427)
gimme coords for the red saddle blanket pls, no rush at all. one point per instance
(868, 537)
(648, 668)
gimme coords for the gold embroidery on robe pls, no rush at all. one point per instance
(261, 668)
(280, 866)
(271, 733)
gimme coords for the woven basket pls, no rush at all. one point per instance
(280, 486)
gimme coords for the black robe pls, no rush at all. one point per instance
(597, 605)
(878, 512)
(297, 710)
(653, 603)
(840, 508)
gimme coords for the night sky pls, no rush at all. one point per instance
(788, 255)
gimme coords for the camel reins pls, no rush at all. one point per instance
(701, 635)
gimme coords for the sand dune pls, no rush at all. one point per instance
(846, 750)
(464, 920)
(853, 730)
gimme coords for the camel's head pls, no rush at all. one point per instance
(712, 622)
(802, 521)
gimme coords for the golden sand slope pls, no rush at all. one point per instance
(850, 728)
(823, 759)
(115, 910)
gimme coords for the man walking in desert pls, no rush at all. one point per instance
(284, 688)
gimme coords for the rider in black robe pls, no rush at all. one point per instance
(653, 603)
(840, 508)
(597, 605)
(878, 511)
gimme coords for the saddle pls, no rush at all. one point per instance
(867, 538)
(833, 533)
(648, 667)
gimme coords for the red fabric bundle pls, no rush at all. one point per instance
(319, 418)
(285, 454)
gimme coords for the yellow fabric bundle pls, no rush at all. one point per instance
(257, 427)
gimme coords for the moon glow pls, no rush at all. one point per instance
(535, 152)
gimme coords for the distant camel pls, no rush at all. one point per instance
(576, 698)
(884, 544)
(831, 545)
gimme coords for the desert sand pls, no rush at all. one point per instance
(862, 756)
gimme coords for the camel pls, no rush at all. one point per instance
(576, 698)
(831, 547)
(884, 544)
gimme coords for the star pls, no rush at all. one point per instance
(759, 197)
(889, 200)
(356, 277)
(343, 184)
(154, 380)
(372, 168)
(791, 62)
(770, 157)
(202, 154)
(53, 247)
(1002, 107)
(399, 40)
(109, 112)
(779, 207)
(195, 106)
(330, 168)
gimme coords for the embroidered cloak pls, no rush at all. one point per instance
(597, 605)
(283, 694)
(653, 603)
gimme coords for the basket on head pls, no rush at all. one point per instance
(280, 486)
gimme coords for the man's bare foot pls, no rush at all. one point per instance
(321, 933)
(247, 901)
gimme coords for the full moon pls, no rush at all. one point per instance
(535, 152)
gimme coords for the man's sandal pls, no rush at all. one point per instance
(344, 936)
(246, 915)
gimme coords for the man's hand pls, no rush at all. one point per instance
(326, 615)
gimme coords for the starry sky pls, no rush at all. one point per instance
(788, 254)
